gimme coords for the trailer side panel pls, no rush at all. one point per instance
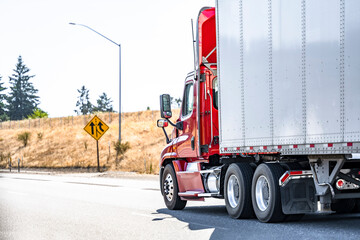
(289, 76)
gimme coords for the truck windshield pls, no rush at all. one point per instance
(215, 93)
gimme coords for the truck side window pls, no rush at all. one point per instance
(188, 101)
(215, 93)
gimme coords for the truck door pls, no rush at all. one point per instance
(186, 143)
(209, 132)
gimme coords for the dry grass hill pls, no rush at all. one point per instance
(63, 143)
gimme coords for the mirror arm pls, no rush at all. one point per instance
(172, 124)
(178, 125)
(167, 137)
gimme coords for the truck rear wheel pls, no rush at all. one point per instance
(265, 192)
(171, 190)
(238, 190)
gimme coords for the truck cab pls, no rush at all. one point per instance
(197, 134)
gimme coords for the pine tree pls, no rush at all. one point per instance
(3, 115)
(22, 99)
(104, 104)
(178, 101)
(83, 103)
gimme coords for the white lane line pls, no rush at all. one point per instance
(173, 219)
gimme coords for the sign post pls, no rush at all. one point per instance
(96, 128)
(97, 153)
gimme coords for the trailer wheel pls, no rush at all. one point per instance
(171, 190)
(265, 192)
(238, 190)
(343, 205)
(357, 206)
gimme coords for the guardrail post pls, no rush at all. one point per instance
(18, 164)
(10, 164)
(109, 153)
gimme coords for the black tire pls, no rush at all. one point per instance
(343, 206)
(238, 202)
(268, 207)
(170, 189)
(357, 206)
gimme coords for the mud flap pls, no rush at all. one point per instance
(298, 196)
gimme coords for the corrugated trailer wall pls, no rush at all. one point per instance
(289, 72)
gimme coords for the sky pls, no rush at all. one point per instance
(155, 38)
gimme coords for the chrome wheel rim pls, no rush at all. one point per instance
(169, 187)
(233, 191)
(262, 193)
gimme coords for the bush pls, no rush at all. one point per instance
(38, 113)
(40, 135)
(24, 138)
(120, 149)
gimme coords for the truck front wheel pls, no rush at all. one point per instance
(238, 179)
(171, 190)
(265, 192)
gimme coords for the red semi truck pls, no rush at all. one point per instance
(270, 117)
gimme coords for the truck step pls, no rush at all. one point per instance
(209, 195)
(198, 194)
(190, 194)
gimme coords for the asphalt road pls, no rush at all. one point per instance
(86, 206)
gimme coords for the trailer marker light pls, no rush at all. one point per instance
(349, 144)
(251, 148)
(312, 145)
(287, 175)
(225, 149)
(330, 145)
(295, 146)
(296, 172)
(340, 183)
(237, 149)
(264, 147)
(279, 147)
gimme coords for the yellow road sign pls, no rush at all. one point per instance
(96, 128)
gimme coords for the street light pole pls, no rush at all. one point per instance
(119, 45)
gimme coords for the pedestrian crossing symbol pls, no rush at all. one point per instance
(96, 128)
